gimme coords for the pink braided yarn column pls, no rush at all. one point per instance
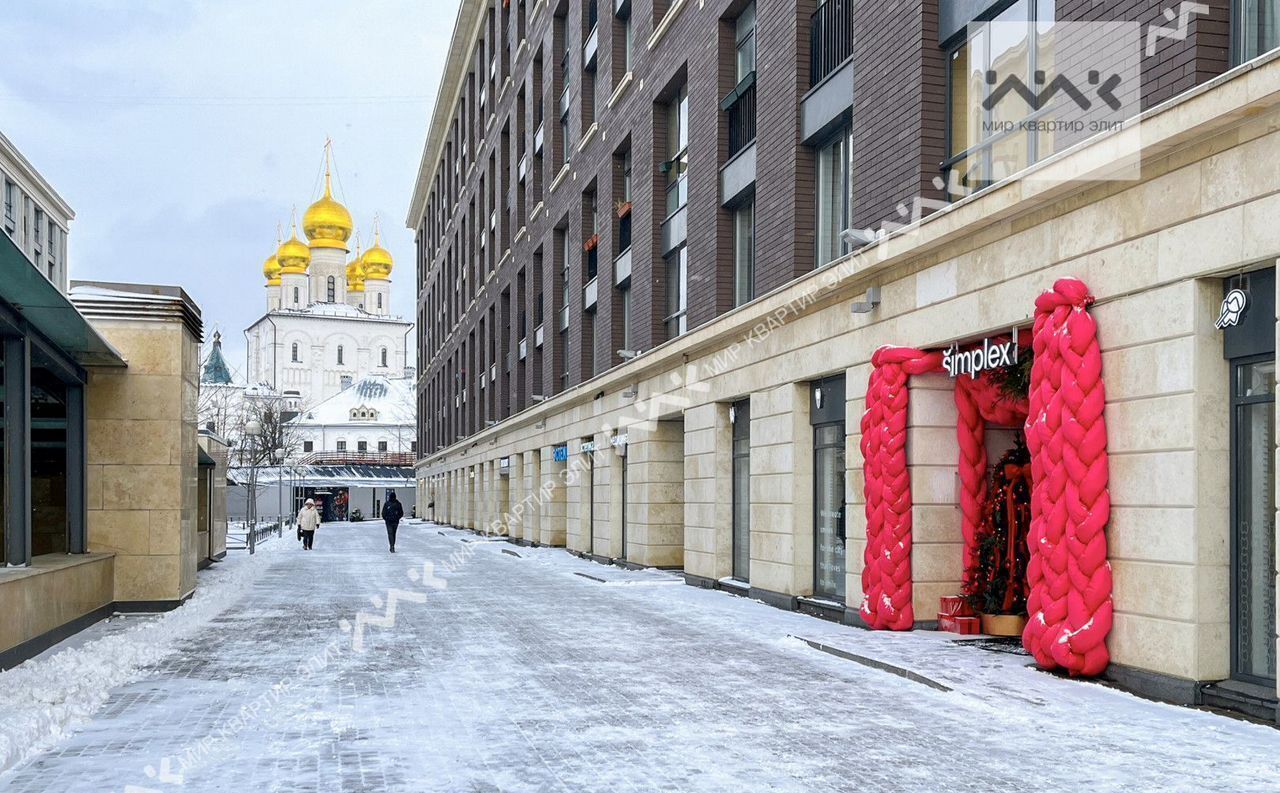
(1069, 578)
(971, 433)
(886, 576)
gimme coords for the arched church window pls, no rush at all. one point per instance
(296, 359)
(339, 355)
(295, 295)
(331, 290)
(384, 356)
(379, 300)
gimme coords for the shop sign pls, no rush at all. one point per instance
(504, 463)
(619, 440)
(1233, 306)
(991, 355)
(560, 454)
(588, 446)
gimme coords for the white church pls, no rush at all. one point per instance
(328, 322)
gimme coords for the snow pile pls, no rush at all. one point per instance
(49, 696)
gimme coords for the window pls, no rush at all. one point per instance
(677, 292)
(744, 253)
(622, 35)
(382, 446)
(342, 446)
(678, 152)
(379, 301)
(624, 299)
(740, 419)
(294, 357)
(624, 204)
(1254, 28)
(362, 446)
(331, 290)
(745, 42)
(308, 446)
(10, 204)
(834, 189)
(340, 362)
(384, 356)
(986, 146)
(295, 295)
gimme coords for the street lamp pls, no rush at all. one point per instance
(253, 431)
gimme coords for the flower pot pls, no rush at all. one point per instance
(1003, 624)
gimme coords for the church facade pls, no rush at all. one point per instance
(328, 322)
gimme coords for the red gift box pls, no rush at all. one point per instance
(965, 626)
(954, 606)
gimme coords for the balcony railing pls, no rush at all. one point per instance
(830, 38)
(741, 108)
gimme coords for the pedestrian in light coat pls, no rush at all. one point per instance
(392, 512)
(308, 522)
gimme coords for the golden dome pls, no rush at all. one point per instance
(377, 261)
(355, 276)
(293, 256)
(271, 269)
(327, 223)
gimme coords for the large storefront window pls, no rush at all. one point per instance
(741, 418)
(1254, 29)
(827, 417)
(48, 464)
(986, 145)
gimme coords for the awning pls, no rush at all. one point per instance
(203, 459)
(47, 311)
(329, 476)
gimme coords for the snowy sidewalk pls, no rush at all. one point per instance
(458, 665)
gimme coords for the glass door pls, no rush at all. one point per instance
(622, 470)
(1253, 535)
(828, 511)
(742, 490)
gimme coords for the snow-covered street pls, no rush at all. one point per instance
(460, 664)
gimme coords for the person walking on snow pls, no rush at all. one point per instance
(308, 522)
(392, 512)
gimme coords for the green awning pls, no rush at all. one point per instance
(48, 311)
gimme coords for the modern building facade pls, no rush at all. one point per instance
(661, 243)
(101, 478)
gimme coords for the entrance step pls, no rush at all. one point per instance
(1234, 695)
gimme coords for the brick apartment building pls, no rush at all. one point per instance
(616, 196)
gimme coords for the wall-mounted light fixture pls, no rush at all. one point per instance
(817, 397)
(733, 414)
(868, 305)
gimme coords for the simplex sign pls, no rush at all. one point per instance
(991, 355)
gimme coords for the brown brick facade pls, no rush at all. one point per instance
(491, 242)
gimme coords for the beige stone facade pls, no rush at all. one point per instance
(1154, 252)
(142, 498)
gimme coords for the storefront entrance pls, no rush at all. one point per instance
(827, 417)
(1250, 351)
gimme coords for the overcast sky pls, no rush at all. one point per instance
(182, 131)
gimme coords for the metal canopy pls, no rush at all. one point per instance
(44, 309)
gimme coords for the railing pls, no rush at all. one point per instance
(830, 38)
(358, 458)
(742, 115)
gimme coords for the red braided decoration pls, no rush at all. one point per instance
(886, 574)
(1069, 578)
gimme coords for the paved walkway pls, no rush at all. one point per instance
(529, 670)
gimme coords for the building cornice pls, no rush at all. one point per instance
(28, 172)
(466, 31)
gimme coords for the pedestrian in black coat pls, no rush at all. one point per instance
(392, 512)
